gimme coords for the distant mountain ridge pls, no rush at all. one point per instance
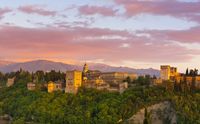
(33, 66)
(46, 65)
(4, 63)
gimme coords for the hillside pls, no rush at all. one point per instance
(45, 65)
(160, 113)
(4, 63)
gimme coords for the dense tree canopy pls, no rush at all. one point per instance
(90, 106)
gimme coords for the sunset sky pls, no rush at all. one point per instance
(133, 33)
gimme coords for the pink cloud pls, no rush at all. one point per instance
(92, 10)
(86, 44)
(183, 36)
(30, 9)
(4, 11)
(171, 8)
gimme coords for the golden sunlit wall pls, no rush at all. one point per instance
(73, 81)
(51, 87)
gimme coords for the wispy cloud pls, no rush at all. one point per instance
(106, 32)
(31, 9)
(4, 11)
(92, 10)
(183, 36)
(73, 43)
(179, 9)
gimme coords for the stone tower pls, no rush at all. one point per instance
(73, 81)
(85, 70)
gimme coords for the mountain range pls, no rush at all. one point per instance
(4, 63)
(33, 66)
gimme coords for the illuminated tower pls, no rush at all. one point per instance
(167, 72)
(73, 81)
(85, 70)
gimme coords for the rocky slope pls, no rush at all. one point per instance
(161, 113)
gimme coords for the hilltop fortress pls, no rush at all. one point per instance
(171, 74)
(111, 81)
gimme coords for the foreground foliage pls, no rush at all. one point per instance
(91, 106)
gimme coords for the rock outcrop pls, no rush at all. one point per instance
(161, 113)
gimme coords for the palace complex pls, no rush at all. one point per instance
(111, 81)
(191, 77)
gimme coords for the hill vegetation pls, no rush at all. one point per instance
(91, 106)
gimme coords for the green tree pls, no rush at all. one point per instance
(128, 80)
(19, 121)
(147, 118)
(187, 71)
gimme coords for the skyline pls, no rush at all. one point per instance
(135, 33)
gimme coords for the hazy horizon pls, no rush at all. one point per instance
(81, 63)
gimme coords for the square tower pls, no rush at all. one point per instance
(168, 73)
(165, 72)
(73, 81)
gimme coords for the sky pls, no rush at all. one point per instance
(132, 33)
